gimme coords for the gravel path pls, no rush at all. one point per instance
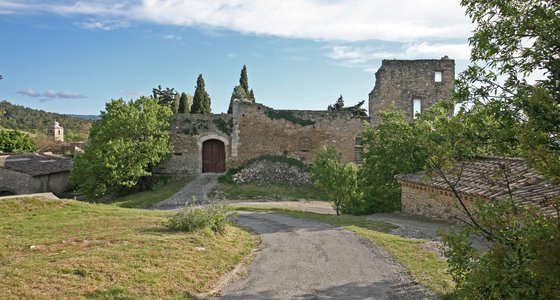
(195, 192)
(302, 259)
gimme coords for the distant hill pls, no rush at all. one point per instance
(85, 117)
(37, 121)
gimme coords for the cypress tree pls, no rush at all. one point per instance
(252, 95)
(243, 80)
(201, 99)
(241, 91)
(183, 109)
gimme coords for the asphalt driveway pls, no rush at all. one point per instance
(303, 259)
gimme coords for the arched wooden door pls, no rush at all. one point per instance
(213, 156)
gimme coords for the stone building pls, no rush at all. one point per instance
(411, 85)
(34, 173)
(477, 179)
(216, 142)
(57, 132)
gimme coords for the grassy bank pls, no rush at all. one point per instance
(234, 191)
(69, 249)
(147, 199)
(424, 266)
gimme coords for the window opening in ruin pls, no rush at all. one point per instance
(358, 150)
(416, 107)
(438, 76)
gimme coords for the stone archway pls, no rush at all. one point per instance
(213, 156)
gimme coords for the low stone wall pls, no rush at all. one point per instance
(423, 200)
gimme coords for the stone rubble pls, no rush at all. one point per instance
(267, 172)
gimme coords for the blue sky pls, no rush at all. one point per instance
(72, 56)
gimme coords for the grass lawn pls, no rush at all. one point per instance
(424, 266)
(69, 249)
(146, 199)
(234, 191)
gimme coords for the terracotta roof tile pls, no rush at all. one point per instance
(36, 164)
(484, 177)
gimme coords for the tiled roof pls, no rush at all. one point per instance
(485, 178)
(36, 164)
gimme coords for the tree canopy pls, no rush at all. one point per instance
(129, 140)
(355, 110)
(184, 104)
(37, 121)
(201, 99)
(13, 141)
(512, 42)
(241, 91)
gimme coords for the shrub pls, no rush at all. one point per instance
(288, 116)
(522, 262)
(15, 141)
(189, 219)
(228, 176)
(337, 180)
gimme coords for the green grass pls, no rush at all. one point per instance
(234, 191)
(52, 249)
(147, 199)
(424, 266)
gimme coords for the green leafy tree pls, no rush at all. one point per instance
(522, 262)
(201, 99)
(394, 147)
(504, 114)
(129, 140)
(356, 110)
(12, 141)
(512, 40)
(166, 97)
(184, 104)
(336, 179)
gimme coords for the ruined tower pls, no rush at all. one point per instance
(57, 132)
(411, 85)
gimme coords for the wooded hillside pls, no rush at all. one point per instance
(14, 116)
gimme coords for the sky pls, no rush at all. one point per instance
(72, 57)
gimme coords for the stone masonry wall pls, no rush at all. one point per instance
(259, 130)
(15, 182)
(188, 132)
(398, 82)
(423, 200)
(56, 183)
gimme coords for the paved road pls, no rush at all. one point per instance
(195, 192)
(302, 259)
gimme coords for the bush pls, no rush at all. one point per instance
(522, 262)
(15, 141)
(337, 180)
(189, 219)
(228, 176)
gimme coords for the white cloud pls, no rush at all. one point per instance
(339, 20)
(171, 37)
(455, 51)
(104, 25)
(50, 94)
(363, 57)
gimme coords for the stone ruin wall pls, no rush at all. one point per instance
(398, 82)
(256, 133)
(187, 133)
